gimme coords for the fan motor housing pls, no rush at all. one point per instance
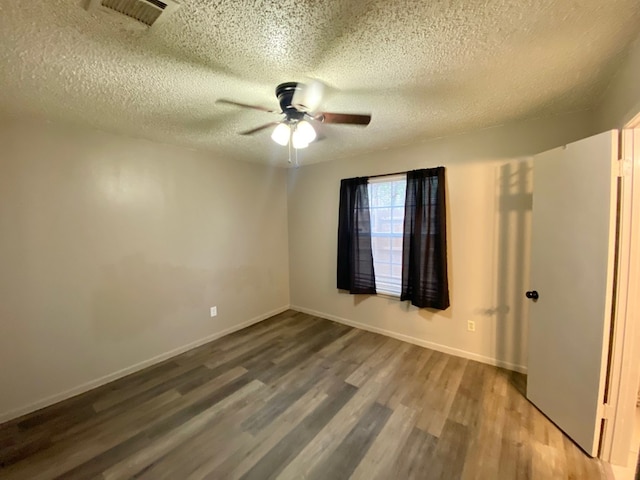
(285, 92)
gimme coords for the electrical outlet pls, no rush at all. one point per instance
(214, 311)
(471, 326)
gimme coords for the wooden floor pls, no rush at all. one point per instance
(298, 397)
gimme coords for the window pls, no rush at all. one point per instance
(386, 205)
(392, 237)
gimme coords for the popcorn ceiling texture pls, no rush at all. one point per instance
(422, 68)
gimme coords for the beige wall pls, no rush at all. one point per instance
(489, 206)
(112, 250)
(621, 101)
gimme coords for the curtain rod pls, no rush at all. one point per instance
(386, 174)
(395, 173)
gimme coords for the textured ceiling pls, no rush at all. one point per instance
(422, 68)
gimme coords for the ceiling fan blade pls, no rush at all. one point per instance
(309, 97)
(349, 118)
(244, 105)
(257, 129)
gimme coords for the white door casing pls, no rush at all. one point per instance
(625, 359)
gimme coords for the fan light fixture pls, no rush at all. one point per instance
(281, 134)
(297, 143)
(303, 134)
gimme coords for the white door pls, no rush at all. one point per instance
(572, 270)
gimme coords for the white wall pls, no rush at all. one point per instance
(621, 101)
(112, 250)
(489, 205)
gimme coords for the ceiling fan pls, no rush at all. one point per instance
(299, 104)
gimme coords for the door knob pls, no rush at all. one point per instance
(532, 294)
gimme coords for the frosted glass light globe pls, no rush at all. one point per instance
(298, 142)
(305, 131)
(281, 134)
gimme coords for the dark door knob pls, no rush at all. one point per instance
(532, 294)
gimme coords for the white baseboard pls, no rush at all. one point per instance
(58, 397)
(416, 341)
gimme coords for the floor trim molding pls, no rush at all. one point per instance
(414, 340)
(85, 387)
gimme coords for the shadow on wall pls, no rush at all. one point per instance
(515, 202)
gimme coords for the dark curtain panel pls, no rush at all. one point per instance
(355, 257)
(424, 256)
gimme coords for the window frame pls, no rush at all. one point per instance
(383, 284)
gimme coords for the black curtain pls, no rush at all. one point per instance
(355, 257)
(424, 256)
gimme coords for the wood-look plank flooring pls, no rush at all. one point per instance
(297, 397)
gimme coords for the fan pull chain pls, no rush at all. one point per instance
(295, 126)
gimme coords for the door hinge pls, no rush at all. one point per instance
(624, 167)
(607, 411)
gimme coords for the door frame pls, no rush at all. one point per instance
(624, 376)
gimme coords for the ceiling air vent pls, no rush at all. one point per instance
(146, 12)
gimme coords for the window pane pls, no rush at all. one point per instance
(399, 194)
(383, 269)
(397, 272)
(398, 220)
(381, 255)
(396, 256)
(386, 199)
(381, 242)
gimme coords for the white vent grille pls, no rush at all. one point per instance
(147, 12)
